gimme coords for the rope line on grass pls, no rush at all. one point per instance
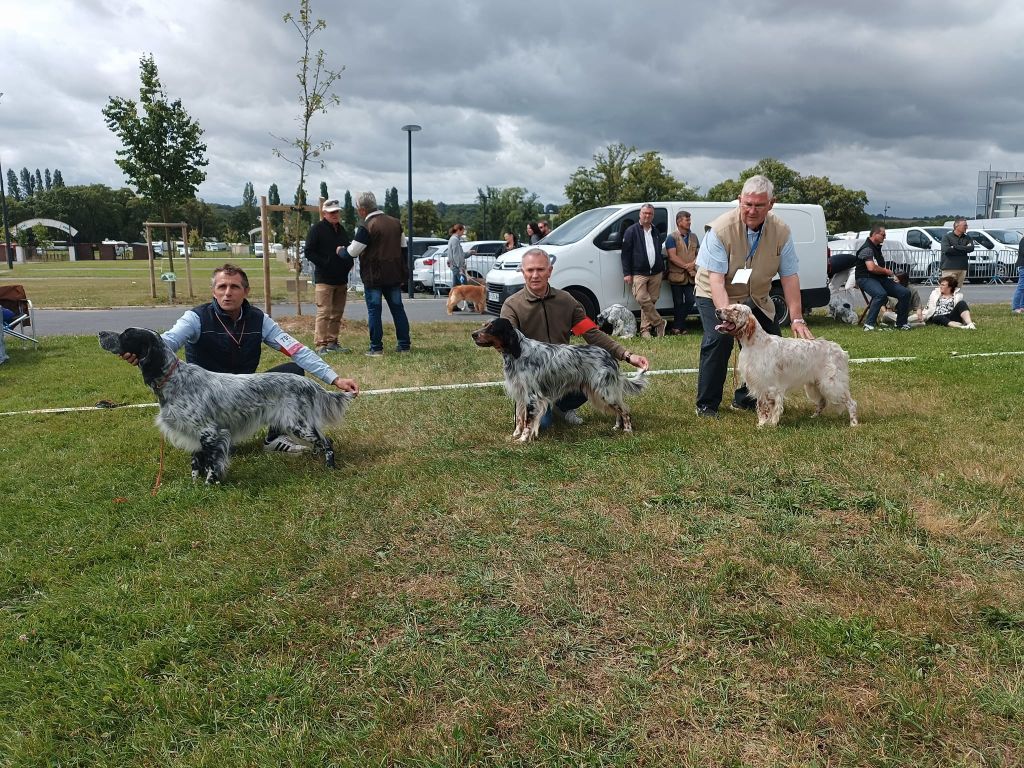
(486, 384)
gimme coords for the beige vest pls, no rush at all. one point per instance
(732, 232)
(678, 275)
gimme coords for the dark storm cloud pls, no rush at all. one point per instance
(906, 100)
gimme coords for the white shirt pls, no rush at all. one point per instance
(649, 242)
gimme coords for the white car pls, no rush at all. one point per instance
(433, 273)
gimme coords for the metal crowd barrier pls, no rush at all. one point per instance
(994, 267)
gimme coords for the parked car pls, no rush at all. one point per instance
(422, 267)
(437, 275)
(924, 253)
(215, 245)
(1005, 243)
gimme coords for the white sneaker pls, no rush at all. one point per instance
(282, 444)
(970, 327)
(868, 327)
(572, 418)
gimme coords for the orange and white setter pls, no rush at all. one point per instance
(772, 365)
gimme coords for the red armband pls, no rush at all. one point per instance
(584, 325)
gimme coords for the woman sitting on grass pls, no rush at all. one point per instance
(946, 306)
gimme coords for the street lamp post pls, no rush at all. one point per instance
(410, 129)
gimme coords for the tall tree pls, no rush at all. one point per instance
(13, 188)
(58, 179)
(249, 208)
(619, 176)
(276, 218)
(27, 183)
(425, 221)
(323, 190)
(162, 155)
(47, 180)
(39, 181)
(348, 214)
(391, 205)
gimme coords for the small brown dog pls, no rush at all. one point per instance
(476, 294)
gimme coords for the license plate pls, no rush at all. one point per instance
(492, 296)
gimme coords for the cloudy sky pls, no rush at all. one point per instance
(906, 99)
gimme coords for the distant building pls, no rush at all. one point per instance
(1000, 194)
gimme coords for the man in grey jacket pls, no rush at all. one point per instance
(956, 246)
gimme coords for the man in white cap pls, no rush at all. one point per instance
(325, 246)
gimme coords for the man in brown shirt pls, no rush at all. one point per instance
(545, 313)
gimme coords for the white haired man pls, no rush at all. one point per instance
(742, 252)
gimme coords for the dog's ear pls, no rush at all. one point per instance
(751, 326)
(138, 341)
(504, 330)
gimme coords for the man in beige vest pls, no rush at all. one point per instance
(738, 260)
(681, 249)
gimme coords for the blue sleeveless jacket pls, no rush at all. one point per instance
(227, 346)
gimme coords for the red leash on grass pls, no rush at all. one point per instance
(160, 471)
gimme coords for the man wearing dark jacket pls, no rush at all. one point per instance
(330, 274)
(877, 281)
(956, 246)
(642, 268)
(378, 246)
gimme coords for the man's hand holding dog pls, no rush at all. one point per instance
(346, 385)
(637, 361)
(800, 329)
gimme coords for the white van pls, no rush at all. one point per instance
(586, 255)
(923, 253)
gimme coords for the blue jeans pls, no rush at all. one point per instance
(682, 304)
(1018, 295)
(715, 349)
(393, 296)
(879, 290)
(570, 402)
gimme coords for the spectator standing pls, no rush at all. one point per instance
(873, 278)
(742, 252)
(642, 269)
(533, 232)
(511, 242)
(457, 256)
(681, 248)
(543, 228)
(378, 246)
(1018, 295)
(956, 247)
(325, 244)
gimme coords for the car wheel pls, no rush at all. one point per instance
(586, 299)
(781, 309)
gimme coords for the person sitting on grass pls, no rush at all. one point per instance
(946, 306)
(916, 308)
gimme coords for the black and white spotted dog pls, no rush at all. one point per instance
(205, 412)
(538, 374)
(621, 320)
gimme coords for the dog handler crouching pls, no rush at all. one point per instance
(226, 336)
(544, 313)
(740, 256)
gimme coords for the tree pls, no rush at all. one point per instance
(162, 155)
(48, 180)
(391, 205)
(58, 179)
(12, 185)
(505, 209)
(249, 209)
(844, 208)
(348, 214)
(425, 220)
(39, 181)
(323, 190)
(27, 183)
(315, 96)
(619, 176)
(276, 218)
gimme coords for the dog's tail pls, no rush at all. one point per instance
(634, 385)
(330, 409)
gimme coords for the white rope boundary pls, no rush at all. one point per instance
(485, 384)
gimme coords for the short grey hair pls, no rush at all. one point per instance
(758, 185)
(645, 206)
(367, 201)
(683, 215)
(536, 252)
(958, 219)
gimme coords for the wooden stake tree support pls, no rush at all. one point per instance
(265, 211)
(166, 227)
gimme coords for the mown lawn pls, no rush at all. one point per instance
(701, 593)
(123, 283)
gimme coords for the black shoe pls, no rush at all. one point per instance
(707, 413)
(747, 404)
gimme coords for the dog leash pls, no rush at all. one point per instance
(160, 470)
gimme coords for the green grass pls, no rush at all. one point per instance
(126, 283)
(697, 594)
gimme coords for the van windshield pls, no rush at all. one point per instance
(576, 228)
(1005, 236)
(938, 232)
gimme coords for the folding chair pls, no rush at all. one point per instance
(14, 298)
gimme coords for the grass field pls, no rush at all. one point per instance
(125, 283)
(699, 594)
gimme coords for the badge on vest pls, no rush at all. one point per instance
(288, 345)
(742, 276)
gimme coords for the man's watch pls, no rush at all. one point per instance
(798, 321)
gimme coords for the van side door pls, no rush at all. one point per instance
(608, 241)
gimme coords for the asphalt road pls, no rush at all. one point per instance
(422, 309)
